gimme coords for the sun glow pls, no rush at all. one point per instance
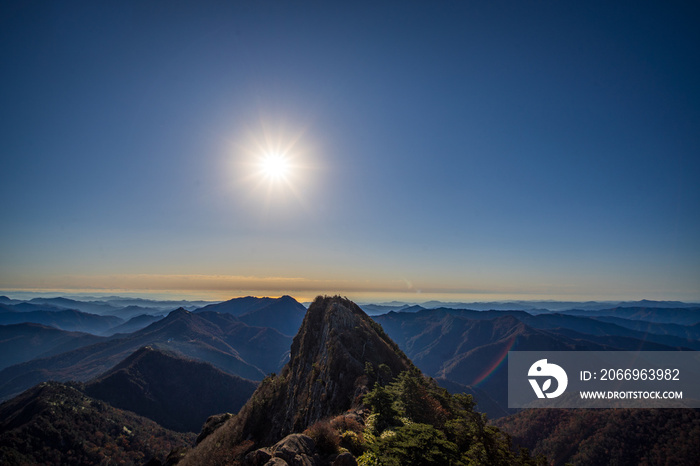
(274, 169)
(274, 166)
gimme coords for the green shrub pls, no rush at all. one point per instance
(368, 459)
(416, 422)
(353, 442)
(416, 444)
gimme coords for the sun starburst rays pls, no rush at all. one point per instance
(274, 170)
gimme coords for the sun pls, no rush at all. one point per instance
(274, 166)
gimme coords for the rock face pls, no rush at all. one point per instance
(338, 352)
(327, 370)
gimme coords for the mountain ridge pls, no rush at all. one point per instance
(470, 347)
(284, 314)
(55, 423)
(26, 341)
(159, 385)
(216, 338)
(71, 320)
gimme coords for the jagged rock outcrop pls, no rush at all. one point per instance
(293, 450)
(337, 354)
(327, 369)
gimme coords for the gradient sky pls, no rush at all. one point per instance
(450, 150)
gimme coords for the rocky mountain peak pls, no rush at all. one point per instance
(180, 311)
(336, 350)
(337, 354)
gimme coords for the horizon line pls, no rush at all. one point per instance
(23, 294)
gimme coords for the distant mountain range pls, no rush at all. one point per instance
(187, 369)
(221, 339)
(83, 306)
(108, 318)
(688, 315)
(64, 319)
(284, 314)
(470, 347)
(529, 306)
(115, 302)
(134, 324)
(24, 342)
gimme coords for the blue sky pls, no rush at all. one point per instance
(452, 150)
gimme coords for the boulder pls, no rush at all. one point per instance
(258, 457)
(296, 450)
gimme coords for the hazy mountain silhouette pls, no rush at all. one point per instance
(70, 320)
(238, 306)
(220, 339)
(682, 315)
(532, 307)
(28, 307)
(24, 342)
(129, 312)
(178, 393)
(378, 309)
(166, 306)
(65, 303)
(596, 327)
(6, 300)
(284, 314)
(134, 324)
(691, 332)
